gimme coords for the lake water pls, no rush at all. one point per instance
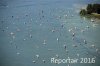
(34, 31)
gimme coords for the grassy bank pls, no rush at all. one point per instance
(95, 15)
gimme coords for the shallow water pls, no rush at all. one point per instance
(29, 28)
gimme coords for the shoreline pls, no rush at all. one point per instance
(91, 11)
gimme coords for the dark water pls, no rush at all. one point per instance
(29, 28)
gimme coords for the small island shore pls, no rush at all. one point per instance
(91, 11)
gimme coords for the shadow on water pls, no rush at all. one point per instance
(3, 3)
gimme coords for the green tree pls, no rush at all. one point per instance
(83, 12)
(96, 8)
(89, 8)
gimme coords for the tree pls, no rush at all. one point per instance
(98, 11)
(96, 8)
(89, 8)
(83, 12)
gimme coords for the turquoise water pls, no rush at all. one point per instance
(31, 28)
